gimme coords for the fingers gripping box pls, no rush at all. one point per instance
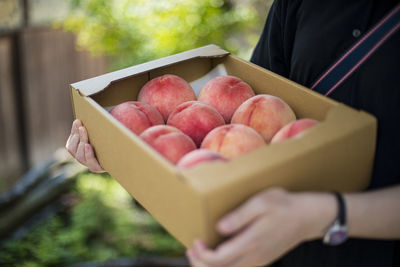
(337, 154)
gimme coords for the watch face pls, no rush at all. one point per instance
(337, 237)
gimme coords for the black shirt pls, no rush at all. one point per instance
(301, 38)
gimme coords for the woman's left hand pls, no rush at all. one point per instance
(265, 227)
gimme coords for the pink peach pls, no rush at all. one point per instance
(168, 141)
(266, 114)
(165, 93)
(293, 129)
(226, 94)
(232, 140)
(196, 119)
(198, 156)
(137, 116)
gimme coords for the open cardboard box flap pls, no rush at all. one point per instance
(336, 155)
(94, 85)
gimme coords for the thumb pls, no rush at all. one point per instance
(242, 216)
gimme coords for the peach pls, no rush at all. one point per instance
(232, 140)
(198, 156)
(293, 129)
(168, 141)
(226, 94)
(266, 114)
(137, 116)
(196, 119)
(165, 93)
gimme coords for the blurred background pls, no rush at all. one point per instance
(52, 211)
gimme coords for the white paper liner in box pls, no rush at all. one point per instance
(219, 70)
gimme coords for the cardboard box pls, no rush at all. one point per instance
(336, 155)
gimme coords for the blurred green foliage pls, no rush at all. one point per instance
(135, 31)
(103, 224)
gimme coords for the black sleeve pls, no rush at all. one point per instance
(269, 52)
(275, 47)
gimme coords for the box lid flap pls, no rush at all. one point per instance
(94, 85)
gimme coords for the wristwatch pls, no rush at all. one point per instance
(337, 233)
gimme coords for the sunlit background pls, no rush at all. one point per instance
(52, 211)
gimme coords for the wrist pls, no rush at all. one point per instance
(317, 213)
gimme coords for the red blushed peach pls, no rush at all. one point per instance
(266, 114)
(137, 116)
(168, 141)
(226, 94)
(293, 129)
(198, 156)
(196, 119)
(165, 93)
(232, 140)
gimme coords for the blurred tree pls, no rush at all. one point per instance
(135, 31)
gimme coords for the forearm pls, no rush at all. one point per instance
(374, 214)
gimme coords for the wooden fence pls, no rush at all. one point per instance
(36, 67)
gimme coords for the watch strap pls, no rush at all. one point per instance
(341, 216)
(337, 232)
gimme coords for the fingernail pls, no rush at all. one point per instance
(75, 123)
(81, 130)
(225, 224)
(199, 245)
(87, 147)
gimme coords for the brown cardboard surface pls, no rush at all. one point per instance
(335, 155)
(94, 85)
(139, 169)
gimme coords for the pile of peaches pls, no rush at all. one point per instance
(226, 121)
